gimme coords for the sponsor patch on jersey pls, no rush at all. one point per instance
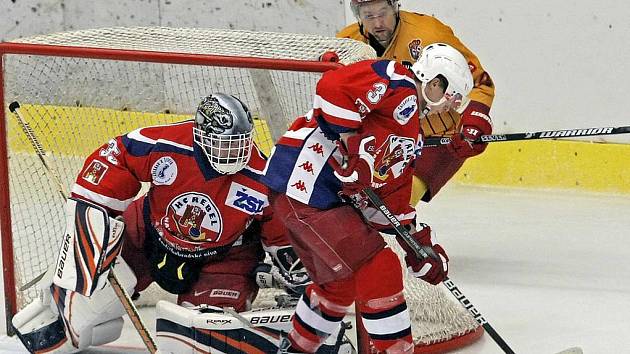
(406, 109)
(393, 156)
(95, 172)
(228, 293)
(164, 171)
(193, 216)
(245, 199)
(415, 48)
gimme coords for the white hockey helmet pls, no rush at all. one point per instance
(224, 130)
(442, 59)
(355, 4)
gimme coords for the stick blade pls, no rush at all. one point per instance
(574, 350)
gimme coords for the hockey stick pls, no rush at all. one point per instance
(546, 134)
(124, 298)
(426, 252)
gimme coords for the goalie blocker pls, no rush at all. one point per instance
(78, 307)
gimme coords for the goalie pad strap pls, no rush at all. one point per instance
(90, 244)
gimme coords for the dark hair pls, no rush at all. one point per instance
(443, 81)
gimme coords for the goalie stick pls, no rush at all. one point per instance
(124, 298)
(425, 252)
(546, 134)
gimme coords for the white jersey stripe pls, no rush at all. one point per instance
(334, 110)
(135, 135)
(114, 204)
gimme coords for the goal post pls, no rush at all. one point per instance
(79, 89)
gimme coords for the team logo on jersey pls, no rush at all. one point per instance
(95, 172)
(164, 171)
(246, 199)
(406, 109)
(193, 216)
(415, 49)
(393, 156)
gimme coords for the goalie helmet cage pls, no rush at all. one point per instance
(79, 89)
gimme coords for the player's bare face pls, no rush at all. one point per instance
(378, 19)
(434, 91)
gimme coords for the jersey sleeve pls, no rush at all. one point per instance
(111, 176)
(344, 97)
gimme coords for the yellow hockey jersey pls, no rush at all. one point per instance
(414, 32)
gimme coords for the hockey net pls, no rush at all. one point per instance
(78, 89)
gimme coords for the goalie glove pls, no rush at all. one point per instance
(474, 123)
(287, 272)
(429, 269)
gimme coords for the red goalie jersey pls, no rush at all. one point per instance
(197, 212)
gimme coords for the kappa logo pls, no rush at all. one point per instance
(307, 166)
(299, 185)
(164, 171)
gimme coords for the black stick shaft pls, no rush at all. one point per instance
(547, 134)
(426, 252)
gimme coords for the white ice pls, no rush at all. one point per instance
(548, 269)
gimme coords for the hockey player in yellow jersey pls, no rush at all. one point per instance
(401, 35)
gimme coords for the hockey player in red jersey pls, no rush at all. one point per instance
(401, 35)
(197, 232)
(363, 132)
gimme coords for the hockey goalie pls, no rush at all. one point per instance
(201, 232)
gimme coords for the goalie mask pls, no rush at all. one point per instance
(223, 129)
(442, 59)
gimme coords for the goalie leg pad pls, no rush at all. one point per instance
(97, 319)
(90, 244)
(40, 328)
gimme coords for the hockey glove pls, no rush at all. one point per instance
(358, 171)
(287, 271)
(474, 123)
(431, 270)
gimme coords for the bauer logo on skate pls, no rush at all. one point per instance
(193, 216)
(164, 171)
(95, 172)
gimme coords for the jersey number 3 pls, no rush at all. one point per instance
(377, 93)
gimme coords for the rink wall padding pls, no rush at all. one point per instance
(557, 164)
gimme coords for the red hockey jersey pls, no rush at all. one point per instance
(375, 97)
(196, 211)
